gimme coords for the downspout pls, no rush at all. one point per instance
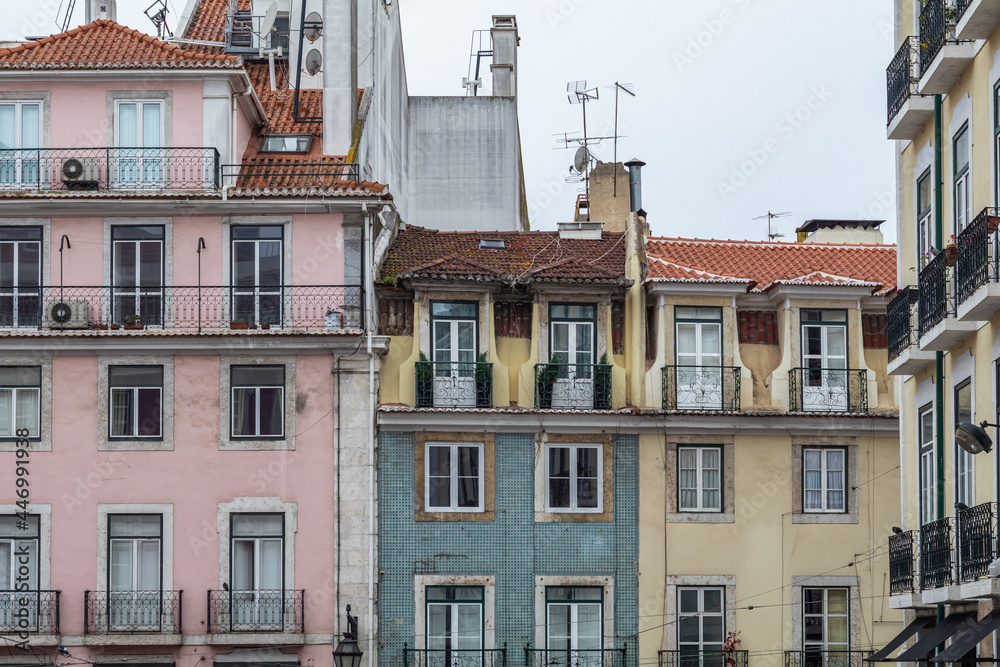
(336, 438)
(369, 293)
(938, 356)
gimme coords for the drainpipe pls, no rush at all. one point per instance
(939, 356)
(367, 323)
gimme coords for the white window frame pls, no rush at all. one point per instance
(459, 655)
(962, 175)
(701, 614)
(573, 504)
(134, 391)
(927, 467)
(925, 219)
(965, 471)
(14, 390)
(138, 127)
(824, 488)
(574, 610)
(699, 472)
(826, 616)
(453, 476)
(257, 387)
(19, 159)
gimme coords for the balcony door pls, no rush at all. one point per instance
(826, 627)
(18, 542)
(701, 627)
(139, 144)
(20, 276)
(20, 131)
(925, 219)
(698, 378)
(454, 329)
(257, 274)
(573, 627)
(824, 361)
(257, 572)
(571, 346)
(137, 282)
(454, 626)
(134, 573)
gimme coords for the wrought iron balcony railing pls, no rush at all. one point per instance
(902, 76)
(827, 390)
(35, 612)
(977, 258)
(586, 386)
(701, 388)
(152, 169)
(111, 612)
(902, 563)
(900, 318)
(413, 657)
(933, 30)
(256, 611)
(454, 384)
(977, 540)
(700, 658)
(933, 303)
(818, 657)
(960, 7)
(540, 657)
(936, 554)
(293, 307)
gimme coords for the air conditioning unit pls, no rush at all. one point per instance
(67, 314)
(80, 173)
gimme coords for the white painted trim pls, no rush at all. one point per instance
(422, 581)
(830, 581)
(964, 369)
(271, 504)
(164, 509)
(675, 581)
(44, 512)
(453, 450)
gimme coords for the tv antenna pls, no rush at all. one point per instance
(630, 89)
(266, 26)
(482, 47)
(67, 16)
(157, 13)
(773, 235)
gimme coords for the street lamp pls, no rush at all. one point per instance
(347, 653)
(972, 438)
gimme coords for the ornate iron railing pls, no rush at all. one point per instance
(294, 307)
(902, 563)
(933, 31)
(977, 540)
(826, 658)
(608, 657)
(973, 267)
(413, 657)
(559, 385)
(111, 612)
(827, 390)
(933, 304)
(936, 554)
(699, 658)
(701, 388)
(902, 77)
(256, 611)
(960, 7)
(109, 169)
(35, 612)
(454, 384)
(899, 321)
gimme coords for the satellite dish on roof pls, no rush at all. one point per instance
(314, 61)
(314, 27)
(268, 23)
(581, 159)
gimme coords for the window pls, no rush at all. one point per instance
(20, 276)
(573, 622)
(134, 572)
(137, 281)
(258, 402)
(701, 626)
(18, 549)
(698, 379)
(20, 131)
(699, 472)
(20, 401)
(257, 274)
(824, 361)
(139, 142)
(286, 143)
(257, 571)
(136, 401)
(962, 197)
(573, 478)
(925, 219)
(826, 626)
(572, 336)
(824, 475)
(928, 481)
(454, 326)
(455, 625)
(454, 477)
(996, 142)
(964, 475)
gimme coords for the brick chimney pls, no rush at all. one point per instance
(340, 75)
(504, 67)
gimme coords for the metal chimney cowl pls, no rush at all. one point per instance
(635, 166)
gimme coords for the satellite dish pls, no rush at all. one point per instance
(581, 159)
(314, 61)
(268, 23)
(314, 27)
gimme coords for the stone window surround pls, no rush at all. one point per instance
(607, 582)
(45, 97)
(420, 439)
(607, 478)
(166, 442)
(168, 243)
(46, 225)
(602, 310)
(728, 513)
(422, 581)
(850, 481)
(484, 312)
(165, 96)
(44, 442)
(267, 504)
(44, 512)
(826, 581)
(675, 581)
(226, 443)
(167, 537)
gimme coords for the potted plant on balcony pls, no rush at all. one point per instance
(546, 380)
(484, 382)
(239, 324)
(730, 647)
(602, 383)
(951, 252)
(133, 322)
(425, 382)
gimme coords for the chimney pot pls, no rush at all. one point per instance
(635, 166)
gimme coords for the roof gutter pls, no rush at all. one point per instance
(247, 96)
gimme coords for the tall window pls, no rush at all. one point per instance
(573, 478)
(20, 400)
(572, 335)
(136, 401)
(701, 626)
(137, 260)
(454, 325)
(454, 626)
(925, 218)
(257, 571)
(962, 196)
(454, 477)
(257, 274)
(699, 479)
(996, 143)
(573, 623)
(139, 141)
(964, 475)
(824, 479)
(134, 572)
(20, 276)
(824, 360)
(699, 358)
(826, 623)
(18, 548)
(20, 131)
(928, 479)
(258, 403)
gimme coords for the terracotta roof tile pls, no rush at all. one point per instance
(209, 23)
(299, 173)
(763, 265)
(107, 45)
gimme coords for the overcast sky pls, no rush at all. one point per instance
(741, 107)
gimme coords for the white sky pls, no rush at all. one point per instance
(742, 106)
